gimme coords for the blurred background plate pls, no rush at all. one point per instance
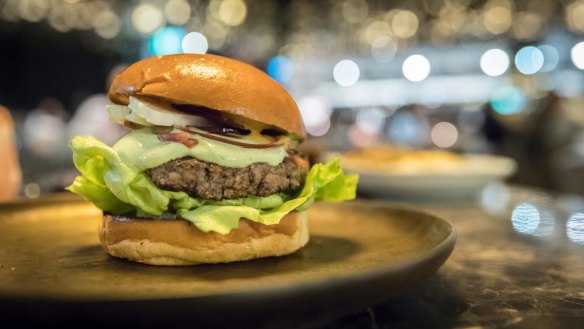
(53, 271)
(462, 181)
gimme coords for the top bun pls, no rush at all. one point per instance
(210, 81)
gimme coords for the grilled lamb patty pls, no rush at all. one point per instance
(211, 181)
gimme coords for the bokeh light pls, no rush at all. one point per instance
(346, 73)
(508, 100)
(85, 12)
(494, 62)
(316, 112)
(529, 60)
(370, 120)
(444, 134)
(59, 18)
(355, 11)
(91, 119)
(383, 49)
(575, 16)
(569, 84)
(33, 11)
(177, 12)
(232, 12)
(527, 218)
(551, 58)
(404, 24)
(497, 19)
(194, 43)
(107, 24)
(575, 228)
(43, 132)
(146, 18)
(377, 29)
(577, 55)
(407, 129)
(214, 28)
(32, 190)
(167, 40)
(452, 19)
(281, 68)
(495, 197)
(416, 68)
(526, 26)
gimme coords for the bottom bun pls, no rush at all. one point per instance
(179, 242)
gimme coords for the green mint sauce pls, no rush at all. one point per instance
(142, 149)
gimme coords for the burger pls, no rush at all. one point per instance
(210, 170)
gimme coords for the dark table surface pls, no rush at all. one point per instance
(518, 263)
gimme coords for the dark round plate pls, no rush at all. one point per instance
(52, 270)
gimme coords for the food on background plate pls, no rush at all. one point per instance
(210, 171)
(401, 160)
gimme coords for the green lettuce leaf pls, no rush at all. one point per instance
(118, 188)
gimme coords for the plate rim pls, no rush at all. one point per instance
(509, 167)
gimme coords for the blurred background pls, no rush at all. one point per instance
(469, 76)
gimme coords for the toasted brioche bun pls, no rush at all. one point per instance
(178, 242)
(214, 82)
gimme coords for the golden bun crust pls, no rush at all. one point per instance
(210, 81)
(178, 242)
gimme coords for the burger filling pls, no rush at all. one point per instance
(195, 164)
(207, 180)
